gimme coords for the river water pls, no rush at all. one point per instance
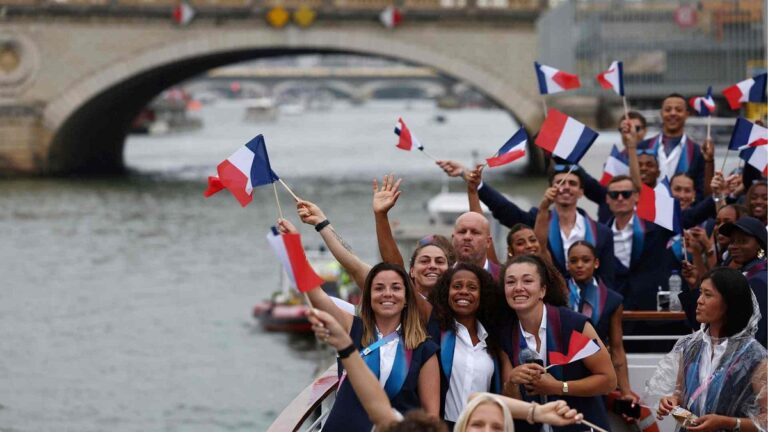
(126, 303)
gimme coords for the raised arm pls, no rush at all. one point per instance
(541, 227)
(319, 298)
(556, 413)
(383, 200)
(473, 179)
(630, 139)
(367, 388)
(311, 214)
(708, 153)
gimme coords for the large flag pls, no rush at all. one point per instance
(579, 347)
(657, 205)
(751, 90)
(183, 13)
(757, 157)
(704, 105)
(407, 139)
(616, 165)
(247, 168)
(747, 134)
(613, 78)
(290, 252)
(565, 137)
(553, 80)
(511, 151)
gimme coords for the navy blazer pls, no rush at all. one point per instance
(695, 164)
(509, 214)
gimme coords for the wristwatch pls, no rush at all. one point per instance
(737, 428)
(565, 387)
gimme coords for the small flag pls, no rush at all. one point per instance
(751, 90)
(703, 105)
(247, 168)
(183, 13)
(407, 139)
(511, 151)
(290, 252)
(579, 347)
(552, 80)
(657, 205)
(613, 78)
(616, 165)
(747, 134)
(391, 17)
(565, 137)
(757, 157)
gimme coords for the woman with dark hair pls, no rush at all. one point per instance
(391, 339)
(462, 317)
(545, 325)
(522, 240)
(715, 379)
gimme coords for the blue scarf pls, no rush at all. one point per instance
(399, 369)
(638, 238)
(554, 340)
(447, 348)
(594, 294)
(556, 241)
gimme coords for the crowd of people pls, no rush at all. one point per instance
(461, 339)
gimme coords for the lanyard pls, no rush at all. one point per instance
(378, 344)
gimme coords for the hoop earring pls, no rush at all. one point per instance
(761, 253)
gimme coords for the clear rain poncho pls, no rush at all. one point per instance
(735, 388)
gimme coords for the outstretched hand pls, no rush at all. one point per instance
(452, 168)
(629, 136)
(386, 197)
(549, 197)
(475, 176)
(309, 212)
(556, 413)
(327, 329)
(286, 227)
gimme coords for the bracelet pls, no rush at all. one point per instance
(529, 418)
(344, 353)
(319, 227)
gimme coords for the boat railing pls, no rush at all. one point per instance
(310, 408)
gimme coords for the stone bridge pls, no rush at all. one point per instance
(73, 76)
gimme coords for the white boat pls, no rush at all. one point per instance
(260, 110)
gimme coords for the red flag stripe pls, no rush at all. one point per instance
(235, 181)
(304, 274)
(505, 158)
(551, 130)
(646, 205)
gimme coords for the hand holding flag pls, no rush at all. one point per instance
(511, 151)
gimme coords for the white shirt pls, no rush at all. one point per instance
(530, 340)
(387, 354)
(472, 370)
(577, 233)
(622, 242)
(668, 163)
(708, 364)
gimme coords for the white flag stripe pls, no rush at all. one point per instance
(759, 158)
(756, 133)
(278, 245)
(665, 207)
(242, 159)
(587, 351)
(549, 73)
(745, 87)
(569, 138)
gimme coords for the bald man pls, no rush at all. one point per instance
(471, 238)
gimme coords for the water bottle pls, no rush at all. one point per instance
(675, 285)
(662, 300)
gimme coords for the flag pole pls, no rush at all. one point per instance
(626, 108)
(544, 101)
(685, 249)
(289, 190)
(428, 155)
(277, 199)
(593, 426)
(309, 302)
(570, 170)
(722, 168)
(709, 127)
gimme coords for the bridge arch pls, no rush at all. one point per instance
(92, 117)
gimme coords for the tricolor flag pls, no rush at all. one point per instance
(565, 137)
(579, 347)
(183, 13)
(616, 165)
(613, 78)
(511, 151)
(290, 252)
(390, 17)
(751, 90)
(552, 80)
(407, 139)
(703, 105)
(247, 168)
(757, 157)
(747, 134)
(657, 205)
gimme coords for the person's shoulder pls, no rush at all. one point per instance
(427, 348)
(646, 143)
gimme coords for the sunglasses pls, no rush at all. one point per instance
(624, 194)
(648, 151)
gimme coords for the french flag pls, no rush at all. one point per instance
(565, 137)
(579, 347)
(658, 206)
(613, 78)
(616, 165)
(407, 139)
(757, 157)
(511, 151)
(553, 80)
(703, 105)
(247, 168)
(747, 134)
(751, 90)
(290, 252)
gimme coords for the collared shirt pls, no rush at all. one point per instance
(668, 161)
(472, 370)
(708, 364)
(622, 242)
(530, 340)
(578, 232)
(387, 354)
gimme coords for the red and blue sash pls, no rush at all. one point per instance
(594, 299)
(399, 368)
(638, 238)
(755, 268)
(554, 339)
(447, 348)
(556, 241)
(686, 153)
